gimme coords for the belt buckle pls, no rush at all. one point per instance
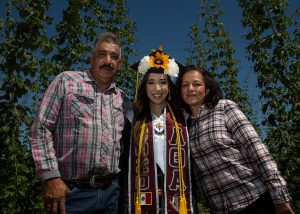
(93, 181)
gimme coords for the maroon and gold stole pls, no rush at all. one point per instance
(143, 191)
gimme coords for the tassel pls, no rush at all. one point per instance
(138, 208)
(138, 196)
(182, 206)
(182, 200)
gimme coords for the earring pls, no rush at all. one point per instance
(169, 96)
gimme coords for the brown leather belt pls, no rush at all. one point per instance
(95, 181)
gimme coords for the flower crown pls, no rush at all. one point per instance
(159, 60)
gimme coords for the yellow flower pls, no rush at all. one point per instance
(160, 60)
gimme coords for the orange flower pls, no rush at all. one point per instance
(160, 60)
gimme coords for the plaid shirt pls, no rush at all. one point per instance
(78, 129)
(232, 166)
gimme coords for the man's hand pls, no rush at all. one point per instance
(55, 191)
(284, 209)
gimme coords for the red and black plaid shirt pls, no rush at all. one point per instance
(232, 166)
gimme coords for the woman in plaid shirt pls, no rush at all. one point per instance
(232, 167)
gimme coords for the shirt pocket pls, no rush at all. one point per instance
(83, 105)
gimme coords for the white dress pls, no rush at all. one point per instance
(159, 139)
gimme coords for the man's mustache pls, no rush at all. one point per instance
(109, 66)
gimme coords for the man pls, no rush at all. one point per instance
(76, 136)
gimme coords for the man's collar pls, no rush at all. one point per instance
(89, 78)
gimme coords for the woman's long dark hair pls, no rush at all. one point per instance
(211, 99)
(142, 105)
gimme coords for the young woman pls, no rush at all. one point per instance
(159, 170)
(232, 167)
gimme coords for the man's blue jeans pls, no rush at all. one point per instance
(92, 201)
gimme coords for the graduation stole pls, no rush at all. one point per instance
(143, 192)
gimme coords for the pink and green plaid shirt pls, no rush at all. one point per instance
(78, 129)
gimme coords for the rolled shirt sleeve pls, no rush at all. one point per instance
(41, 135)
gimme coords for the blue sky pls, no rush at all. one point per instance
(167, 23)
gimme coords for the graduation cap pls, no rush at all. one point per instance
(158, 62)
